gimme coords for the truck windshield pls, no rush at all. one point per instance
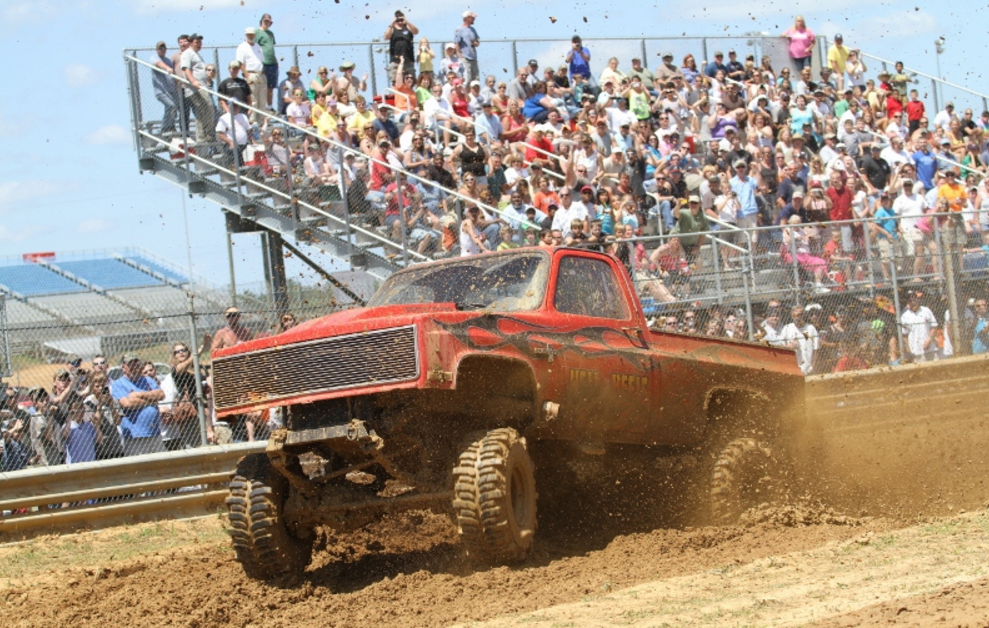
(505, 283)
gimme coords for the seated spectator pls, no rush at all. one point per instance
(288, 87)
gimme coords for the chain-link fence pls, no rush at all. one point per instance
(877, 291)
(103, 371)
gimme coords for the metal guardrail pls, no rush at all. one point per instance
(175, 484)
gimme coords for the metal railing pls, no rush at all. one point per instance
(95, 495)
(285, 201)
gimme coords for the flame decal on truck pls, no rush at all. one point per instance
(489, 332)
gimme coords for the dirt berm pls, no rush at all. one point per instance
(902, 443)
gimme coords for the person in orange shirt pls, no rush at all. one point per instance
(954, 193)
(405, 93)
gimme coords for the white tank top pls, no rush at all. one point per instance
(467, 244)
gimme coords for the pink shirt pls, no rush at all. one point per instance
(800, 42)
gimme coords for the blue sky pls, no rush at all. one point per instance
(68, 172)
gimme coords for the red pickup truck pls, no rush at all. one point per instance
(441, 393)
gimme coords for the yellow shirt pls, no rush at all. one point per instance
(359, 120)
(326, 124)
(838, 54)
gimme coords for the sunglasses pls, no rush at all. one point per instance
(178, 351)
(99, 363)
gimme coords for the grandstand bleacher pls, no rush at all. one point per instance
(155, 267)
(33, 280)
(109, 274)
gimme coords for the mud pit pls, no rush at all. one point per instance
(794, 567)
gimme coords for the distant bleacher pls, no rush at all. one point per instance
(155, 267)
(109, 274)
(32, 280)
(105, 298)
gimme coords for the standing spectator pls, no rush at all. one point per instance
(801, 42)
(181, 410)
(202, 105)
(138, 397)
(578, 58)
(837, 58)
(164, 86)
(266, 39)
(399, 35)
(234, 87)
(801, 336)
(918, 323)
(106, 417)
(233, 333)
(81, 432)
(426, 58)
(176, 59)
(467, 41)
(840, 196)
(251, 59)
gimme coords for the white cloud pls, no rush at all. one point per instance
(15, 13)
(25, 193)
(80, 75)
(13, 236)
(109, 134)
(95, 225)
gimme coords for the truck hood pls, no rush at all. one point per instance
(351, 321)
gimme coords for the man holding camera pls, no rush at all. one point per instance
(138, 397)
(400, 35)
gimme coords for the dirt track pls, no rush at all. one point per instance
(407, 571)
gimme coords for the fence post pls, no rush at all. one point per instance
(748, 261)
(894, 276)
(937, 101)
(230, 261)
(645, 62)
(138, 145)
(704, 51)
(951, 275)
(868, 258)
(295, 56)
(796, 265)
(374, 73)
(194, 348)
(717, 265)
(402, 219)
(515, 59)
(346, 209)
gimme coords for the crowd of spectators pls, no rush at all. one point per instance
(846, 163)
(102, 412)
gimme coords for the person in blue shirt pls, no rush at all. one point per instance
(980, 333)
(138, 397)
(579, 58)
(925, 161)
(711, 69)
(467, 42)
(884, 231)
(744, 187)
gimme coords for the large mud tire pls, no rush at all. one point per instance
(494, 500)
(261, 540)
(745, 474)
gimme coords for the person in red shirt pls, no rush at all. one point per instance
(459, 100)
(840, 196)
(541, 139)
(915, 111)
(894, 104)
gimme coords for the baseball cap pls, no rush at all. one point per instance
(475, 82)
(797, 194)
(230, 311)
(533, 62)
(740, 163)
(694, 199)
(587, 189)
(127, 358)
(195, 36)
(250, 30)
(161, 44)
(667, 55)
(449, 45)
(468, 14)
(234, 64)
(838, 36)
(718, 53)
(840, 146)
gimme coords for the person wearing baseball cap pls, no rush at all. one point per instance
(467, 42)
(233, 333)
(138, 397)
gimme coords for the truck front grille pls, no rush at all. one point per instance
(364, 359)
